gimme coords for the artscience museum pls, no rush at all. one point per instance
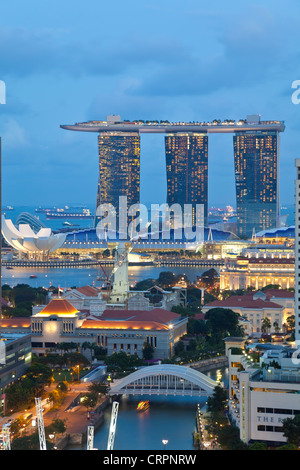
(29, 244)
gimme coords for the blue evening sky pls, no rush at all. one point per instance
(70, 61)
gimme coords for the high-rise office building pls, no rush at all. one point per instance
(119, 170)
(187, 170)
(256, 155)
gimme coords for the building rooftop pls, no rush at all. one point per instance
(244, 301)
(88, 291)
(10, 337)
(123, 325)
(114, 124)
(17, 322)
(159, 315)
(60, 307)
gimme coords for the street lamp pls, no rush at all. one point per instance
(165, 442)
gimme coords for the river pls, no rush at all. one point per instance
(82, 276)
(171, 418)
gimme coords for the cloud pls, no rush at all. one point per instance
(14, 135)
(26, 52)
(255, 46)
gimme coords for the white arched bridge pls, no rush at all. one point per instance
(165, 379)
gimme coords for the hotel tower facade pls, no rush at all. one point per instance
(256, 162)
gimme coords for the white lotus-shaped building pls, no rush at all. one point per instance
(25, 240)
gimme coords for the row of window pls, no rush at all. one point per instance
(270, 428)
(122, 348)
(282, 411)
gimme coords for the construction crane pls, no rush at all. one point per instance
(6, 437)
(90, 438)
(40, 422)
(113, 425)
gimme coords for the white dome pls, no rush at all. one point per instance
(24, 239)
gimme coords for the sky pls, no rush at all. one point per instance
(73, 61)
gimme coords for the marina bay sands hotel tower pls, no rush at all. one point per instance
(256, 146)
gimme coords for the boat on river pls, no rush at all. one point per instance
(143, 405)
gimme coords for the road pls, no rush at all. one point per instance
(75, 420)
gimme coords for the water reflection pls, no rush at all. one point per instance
(82, 276)
(171, 418)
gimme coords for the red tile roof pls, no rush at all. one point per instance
(159, 315)
(17, 322)
(279, 293)
(243, 301)
(89, 291)
(58, 307)
(123, 325)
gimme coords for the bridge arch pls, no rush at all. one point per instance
(165, 379)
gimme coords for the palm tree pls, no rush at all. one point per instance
(87, 345)
(265, 325)
(276, 326)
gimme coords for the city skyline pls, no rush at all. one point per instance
(64, 68)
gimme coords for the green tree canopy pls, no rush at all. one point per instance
(217, 401)
(291, 430)
(223, 321)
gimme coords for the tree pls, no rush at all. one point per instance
(87, 345)
(223, 321)
(167, 279)
(217, 401)
(26, 442)
(276, 326)
(90, 400)
(288, 447)
(209, 278)
(98, 387)
(258, 446)
(229, 438)
(265, 325)
(40, 372)
(291, 430)
(148, 351)
(197, 327)
(57, 426)
(291, 322)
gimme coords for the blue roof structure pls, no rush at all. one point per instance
(287, 232)
(90, 236)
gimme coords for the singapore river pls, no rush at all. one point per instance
(171, 418)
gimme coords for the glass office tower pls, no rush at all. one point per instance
(256, 175)
(187, 170)
(119, 170)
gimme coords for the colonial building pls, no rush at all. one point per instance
(259, 272)
(275, 304)
(116, 330)
(88, 298)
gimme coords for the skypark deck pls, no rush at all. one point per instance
(164, 127)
